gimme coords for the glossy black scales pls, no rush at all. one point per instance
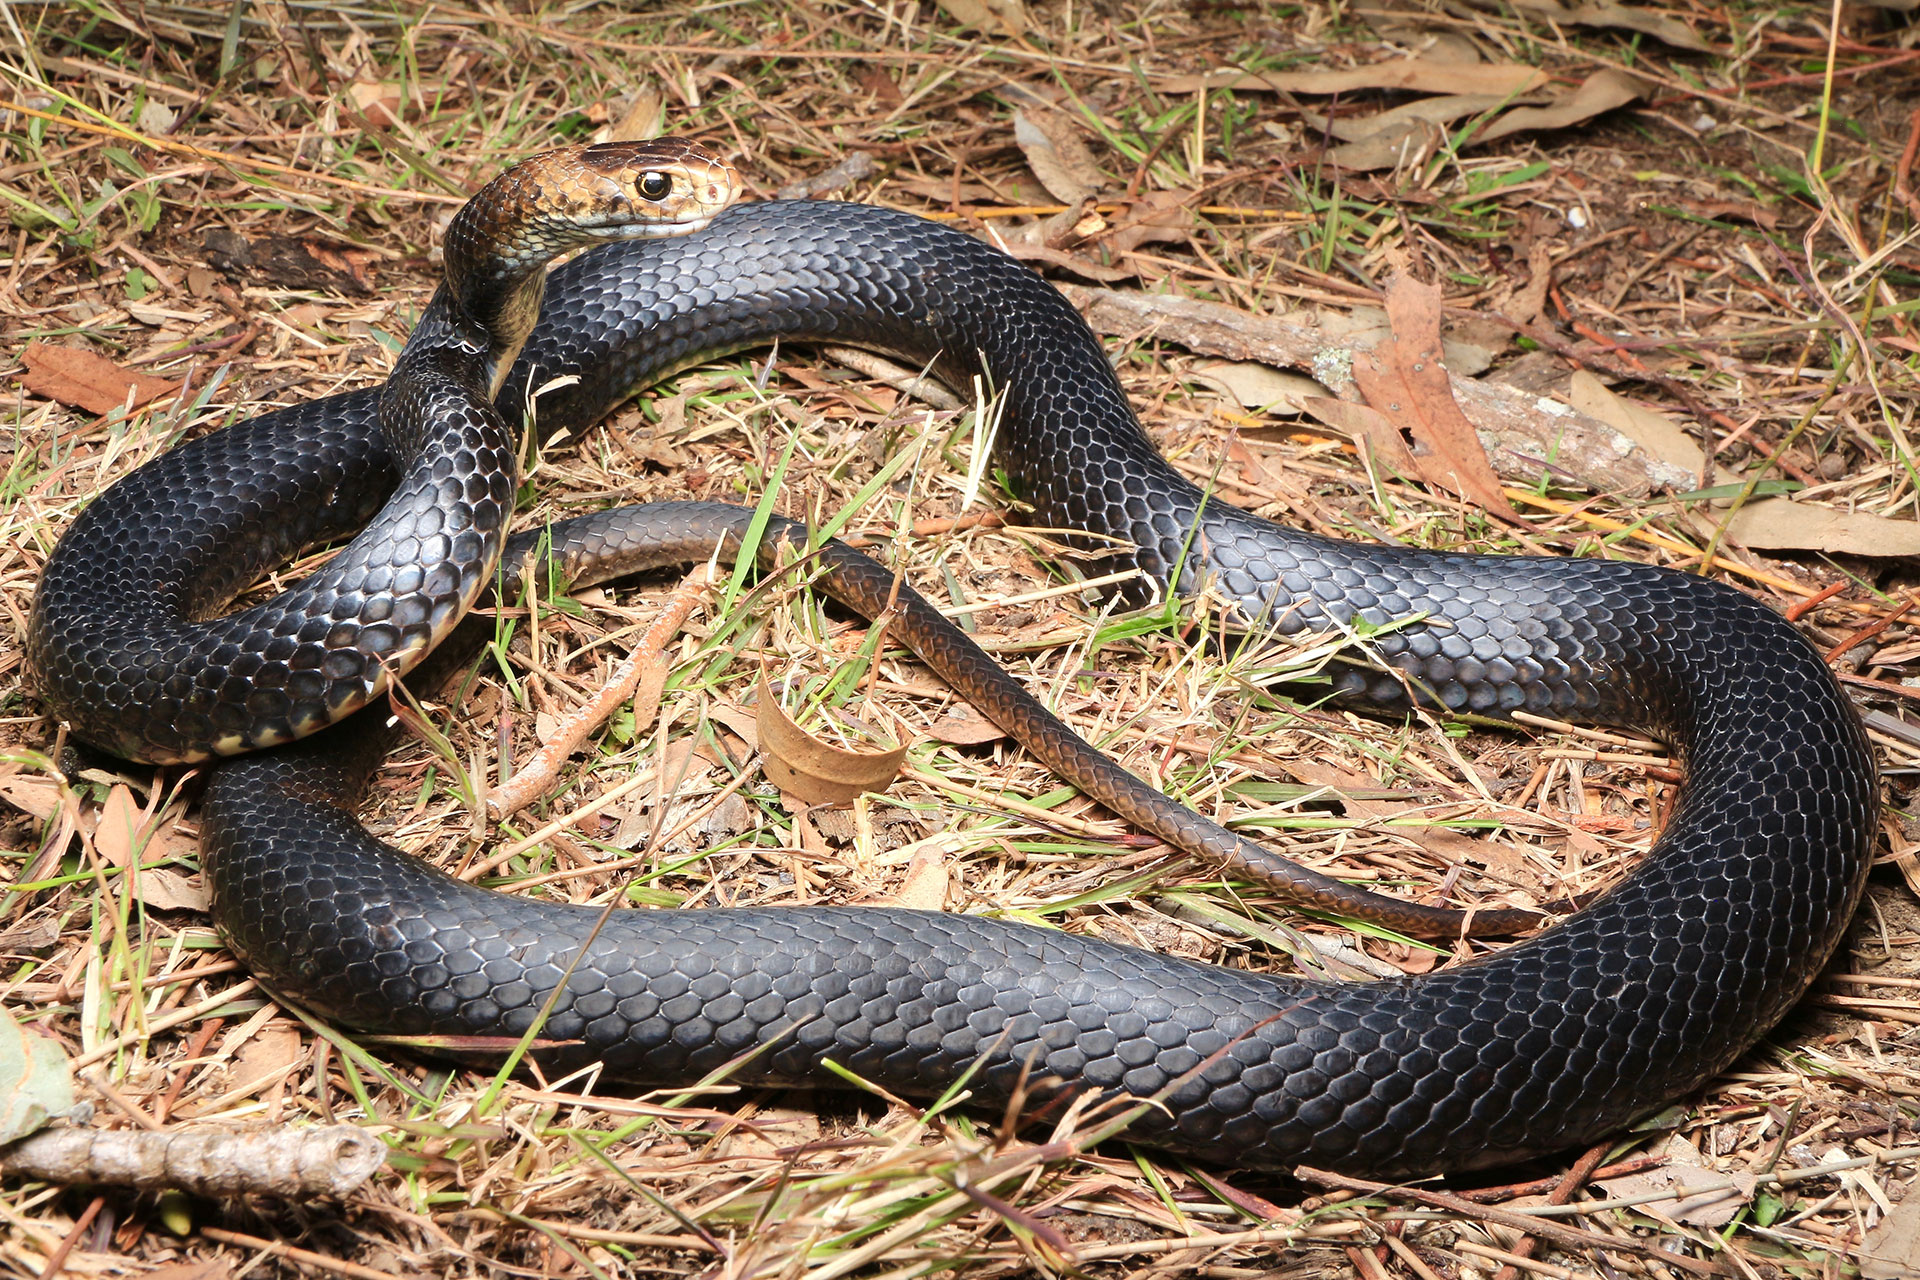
(1553, 1042)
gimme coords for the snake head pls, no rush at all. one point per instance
(499, 243)
(627, 190)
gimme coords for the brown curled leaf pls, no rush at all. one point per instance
(87, 381)
(1406, 379)
(813, 771)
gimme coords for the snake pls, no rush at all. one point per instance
(1558, 1040)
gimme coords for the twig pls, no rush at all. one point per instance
(643, 670)
(1563, 1191)
(305, 1257)
(57, 1260)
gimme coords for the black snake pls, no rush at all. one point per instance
(1555, 1041)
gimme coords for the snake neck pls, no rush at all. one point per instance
(496, 271)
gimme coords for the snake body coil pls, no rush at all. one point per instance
(1555, 1041)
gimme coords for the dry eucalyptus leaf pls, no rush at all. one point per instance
(1700, 1197)
(1406, 379)
(1058, 156)
(36, 1083)
(962, 726)
(267, 1054)
(1524, 431)
(164, 890)
(1402, 144)
(1261, 386)
(1156, 217)
(1601, 91)
(380, 103)
(1669, 31)
(1891, 1250)
(1363, 327)
(36, 797)
(1421, 75)
(1779, 524)
(87, 381)
(1367, 427)
(1007, 16)
(927, 882)
(817, 772)
(1444, 109)
(218, 1269)
(117, 830)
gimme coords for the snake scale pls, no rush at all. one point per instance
(1555, 1041)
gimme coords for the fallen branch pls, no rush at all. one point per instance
(290, 1163)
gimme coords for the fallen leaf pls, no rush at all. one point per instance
(78, 377)
(266, 1055)
(1524, 432)
(290, 263)
(1406, 379)
(1780, 524)
(164, 890)
(1697, 1195)
(215, 1270)
(1602, 91)
(1406, 133)
(1363, 327)
(1366, 427)
(1443, 109)
(1008, 16)
(116, 831)
(38, 797)
(1158, 217)
(927, 881)
(378, 102)
(813, 771)
(1423, 75)
(1531, 300)
(879, 82)
(36, 1082)
(964, 727)
(1403, 144)
(1891, 1250)
(1261, 386)
(1670, 31)
(1079, 264)
(1058, 156)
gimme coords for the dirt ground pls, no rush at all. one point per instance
(1673, 260)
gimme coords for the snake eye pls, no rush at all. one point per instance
(655, 185)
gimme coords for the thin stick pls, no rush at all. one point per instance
(306, 1257)
(644, 669)
(1562, 1192)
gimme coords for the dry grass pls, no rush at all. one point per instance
(1711, 273)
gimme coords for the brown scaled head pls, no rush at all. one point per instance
(664, 186)
(574, 196)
